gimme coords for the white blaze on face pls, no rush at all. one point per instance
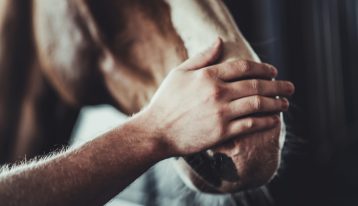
(199, 23)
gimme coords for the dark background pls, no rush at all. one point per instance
(314, 43)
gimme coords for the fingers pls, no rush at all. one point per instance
(245, 88)
(251, 124)
(241, 69)
(255, 104)
(205, 58)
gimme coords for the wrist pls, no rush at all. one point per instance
(155, 137)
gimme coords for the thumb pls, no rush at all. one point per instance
(204, 58)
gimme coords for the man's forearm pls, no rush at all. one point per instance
(197, 106)
(89, 175)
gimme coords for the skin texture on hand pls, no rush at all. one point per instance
(209, 106)
(128, 47)
(159, 131)
(247, 161)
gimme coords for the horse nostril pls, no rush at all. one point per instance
(225, 167)
(213, 167)
(202, 163)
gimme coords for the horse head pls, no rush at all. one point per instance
(118, 52)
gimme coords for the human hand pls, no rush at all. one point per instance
(198, 106)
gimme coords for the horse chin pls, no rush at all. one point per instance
(241, 164)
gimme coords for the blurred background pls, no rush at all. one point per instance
(313, 43)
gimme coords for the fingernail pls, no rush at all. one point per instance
(285, 103)
(273, 70)
(290, 87)
(276, 119)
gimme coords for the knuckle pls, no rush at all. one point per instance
(244, 66)
(250, 123)
(255, 85)
(221, 130)
(209, 74)
(212, 73)
(281, 85)
(221, 112)
(217, 92)
(275, 87)
(256, 103)
(204, 74)
(220, 125)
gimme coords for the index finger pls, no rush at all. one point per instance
(243, 69)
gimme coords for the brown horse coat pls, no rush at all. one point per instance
(57, 56)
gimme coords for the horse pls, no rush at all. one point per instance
(58, 56)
